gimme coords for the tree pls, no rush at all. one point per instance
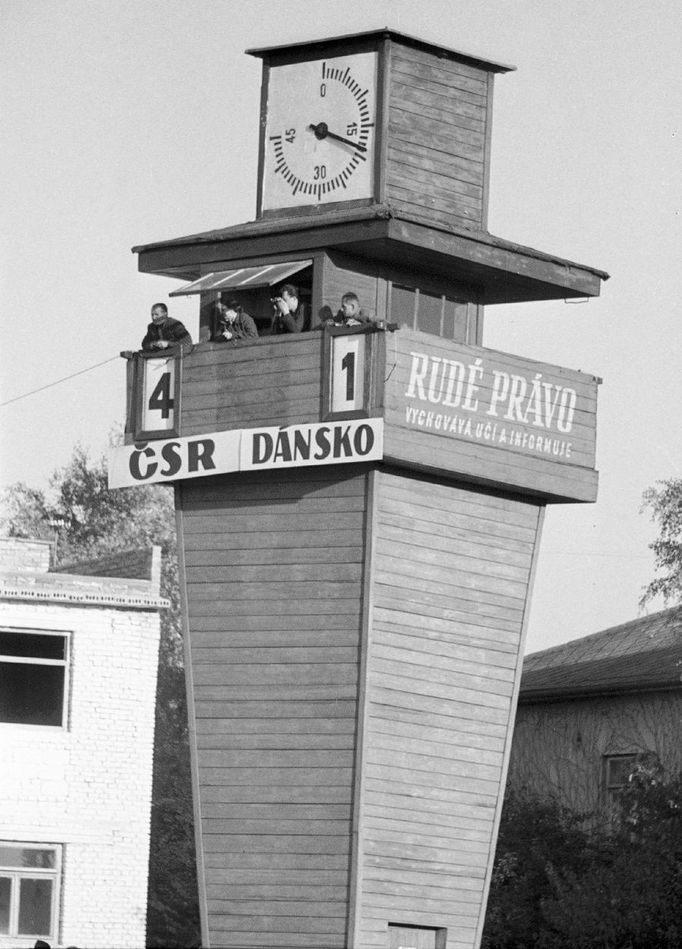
(630, 897)
(87, 520)
(536, 838)
(620, 885)
(557, 886)
(664, 502)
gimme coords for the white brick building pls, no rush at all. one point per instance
(78, 660)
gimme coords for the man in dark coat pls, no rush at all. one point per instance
(165, 333)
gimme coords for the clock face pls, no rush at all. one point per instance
(320, 131)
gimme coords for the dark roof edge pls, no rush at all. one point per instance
(373, 212)
(385, 33)
(485, 237)
(266, 225)
(534, 696)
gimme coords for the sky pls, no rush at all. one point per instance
(130, 121)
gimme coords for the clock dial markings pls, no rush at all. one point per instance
(310, 159)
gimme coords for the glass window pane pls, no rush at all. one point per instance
(461, 311)
(31, 694)
(619, 770)
(429, 312)
(35, 907)
(27, 857)
(402, 305)
(35, 858)
(449, 321)
(5, 897)
(32, 644)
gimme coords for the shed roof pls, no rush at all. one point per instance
(642, 655)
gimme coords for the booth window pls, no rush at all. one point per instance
(437, 314)
(33, 674)
(253, 288)
(29, 889)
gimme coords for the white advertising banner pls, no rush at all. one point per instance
(199, 456)
(159, 460)
(326, 443)
(499, 400)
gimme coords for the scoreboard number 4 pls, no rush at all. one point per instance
(161, 400)
(158, 408)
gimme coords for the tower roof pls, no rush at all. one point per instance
(504, 271)
(323, 46)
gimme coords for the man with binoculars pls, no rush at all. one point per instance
(289, 313)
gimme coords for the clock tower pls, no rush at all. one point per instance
(359, 508)
(378, 117)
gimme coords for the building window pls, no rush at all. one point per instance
(433, 313)
(617, 771)
(33, 674)
(29, 889)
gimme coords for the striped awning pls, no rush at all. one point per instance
(243, 279)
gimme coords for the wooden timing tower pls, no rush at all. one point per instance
(358, 512)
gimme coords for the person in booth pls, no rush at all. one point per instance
(234, 324)
(289, 312)
(165, 333)
(351, 313)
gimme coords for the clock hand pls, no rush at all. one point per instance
(321, 131)
(356, 145)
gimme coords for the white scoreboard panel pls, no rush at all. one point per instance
(157, 397)
(347, 373)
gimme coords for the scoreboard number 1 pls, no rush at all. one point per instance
(347, 383)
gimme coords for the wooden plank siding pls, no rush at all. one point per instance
(438, 132)
(341, 276)
(274, 572)
(353, 643)
(354, 637)
(450, 583)
(272, 381)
